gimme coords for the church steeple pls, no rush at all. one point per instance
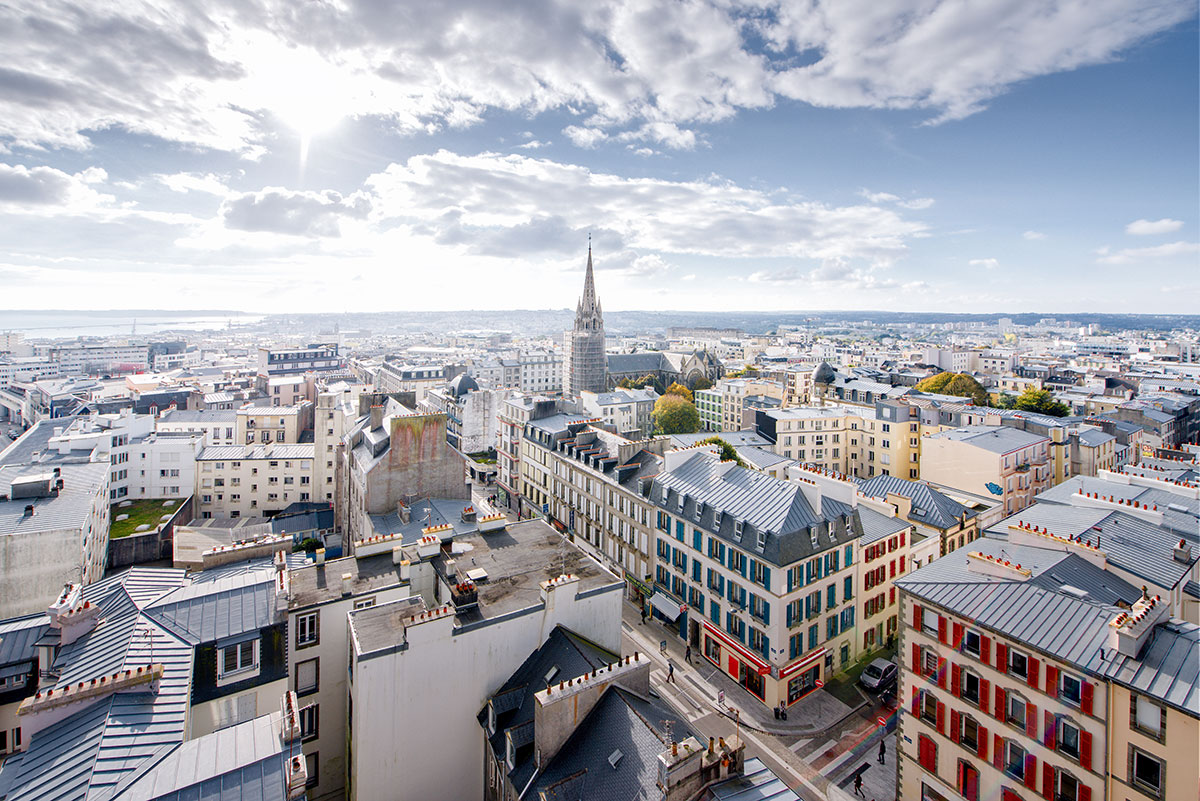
(586, 365)
(588, 314)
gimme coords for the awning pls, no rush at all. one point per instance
(667, 607)
(762, 667)
(807, 659)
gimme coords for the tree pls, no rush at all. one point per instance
(680, 390)
(728, 454)
(701, 383)
(749, 371)
(1003, 400)
(958, 384)
(1041, 401)
(675, 415)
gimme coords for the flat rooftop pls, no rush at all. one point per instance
(315, 584)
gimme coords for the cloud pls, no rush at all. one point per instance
(232, 76)
(878, 197)
(526, 202)
(988, 264)
(184, 182)
(915, 204)
(49, 190)
(1138, 255)
(281, 211)
(1153, 227)
(1033, 236)
(532, 145)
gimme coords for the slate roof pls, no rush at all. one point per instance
(569, 656)
(929, 506)
(69, 509)
(622, 721)
(737, 439)
(216, 610)
(640, 363)
(18, 636)
(761, 502)
(877, 526)
(1181, 513)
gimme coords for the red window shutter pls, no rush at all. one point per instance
(941, 717)
(998, 752)
(959, 630)
(1034, 675)
(1085, 749)
(941, 674)
(1031, 771)
(1052, 681)
(1031, 720)
(892, 568)
(999, 709)
(943, 625)
(1085, 697)
(902, 533)
(1048, 781)
(959, 781)
(955, 681)
(984, 695)
(916, 702)
(916, 662)
(891, 596)
(985, 650)
(901, 564)
(1085, 792)
(1050, 733)
(954, 725)
(983, 743)
(916, 616)
(1001, 657)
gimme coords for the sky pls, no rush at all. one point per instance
(374, 155)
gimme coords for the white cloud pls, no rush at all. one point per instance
(532, 145)
(47, 190)
(281, 211)
(917, 203)
(1153, 227)
(468, 201)
(878, 197)
(1033, 236)
(1138, 255)
(987, 264)
(230, 76)
(184, 182)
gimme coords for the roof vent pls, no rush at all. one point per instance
(614, 758)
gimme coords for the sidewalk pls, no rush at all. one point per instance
(816, 712)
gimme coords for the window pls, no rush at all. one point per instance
(927, 753)
(969, 732)
(1018, 664)
(970, 687)
(1146, 772)
(308, 674)
(1014, 760)
(307, 630)
(237, 658)
(1068, 738)
(1016, 710)
(929, 622)
(929, 708)
(968, 781)
(1068, 787)
(1147, 716)
(1070, 689)
(308, 722)
(971, 643)
(310, 766)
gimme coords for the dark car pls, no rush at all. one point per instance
(879, 675)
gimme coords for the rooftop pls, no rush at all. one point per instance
(68, 509)
(998, 439)
(274, 450)
(315, 584)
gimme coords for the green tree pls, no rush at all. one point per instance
(701, 383)
(749, 371)
(1042, 402)
(675, 415)
(624, 384)
(1003, 400)
(957, 384)
(680, 390)
(728, 454)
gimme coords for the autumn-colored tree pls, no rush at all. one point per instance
(680, 390)
(957, 384)
(728, 454)
(675, 415)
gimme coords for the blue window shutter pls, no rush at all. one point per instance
(766, 610)
(766, 644)
(767, 577)
(744, 561)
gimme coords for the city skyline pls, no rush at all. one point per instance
(944, 158)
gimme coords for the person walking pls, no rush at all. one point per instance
(671, 672)
(882, 752)
(687, 654)
(858, 785)
(643, 613)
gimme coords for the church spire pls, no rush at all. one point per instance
(589, 282)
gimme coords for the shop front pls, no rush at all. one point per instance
(669, 610)
(638, 590)
(803, 676)
(736, 661)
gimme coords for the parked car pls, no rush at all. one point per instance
(879, 675)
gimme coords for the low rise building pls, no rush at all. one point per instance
(267, 424)
(252, 480)
(627, 409)
(1011, 464)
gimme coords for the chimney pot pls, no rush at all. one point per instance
(674, 748)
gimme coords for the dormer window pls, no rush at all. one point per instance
(737, 529)
(699, 510)
(762, 539)
(664, 494)
(717, 516)
(491, 724)
(679, 503)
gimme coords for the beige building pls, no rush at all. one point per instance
(736, 390)
(252, 480)
(858, 441)
(1011, 464)
(1016, 681)
(267, 424)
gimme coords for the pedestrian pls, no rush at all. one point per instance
(687, 654)
(643, 613)
(858, 785)
(882, 752)
(671, 672)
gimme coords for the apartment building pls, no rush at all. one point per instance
(472, 413)
(858, 441)
(394, 376)
(735, 390)
(98, 359)
(217, 426)
(315, 358)
(1012, 464)
(933, 513)
(252, 480)
(475, 616)
(760, 575)
(594, 490)
(1036, 671)
(53, 530)
(627, 409)
(708, 404)
(267, 424)
(515, 411)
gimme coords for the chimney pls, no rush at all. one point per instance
(1183, 552)
(1128, 631)
(320, 554)
(559, 710)
(405, 570)
(376, 417)
(28, 510)
(397, 554)
(347, 584)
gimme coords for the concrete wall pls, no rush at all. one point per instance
(419, 464)
(204, 718)
(426, 741)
